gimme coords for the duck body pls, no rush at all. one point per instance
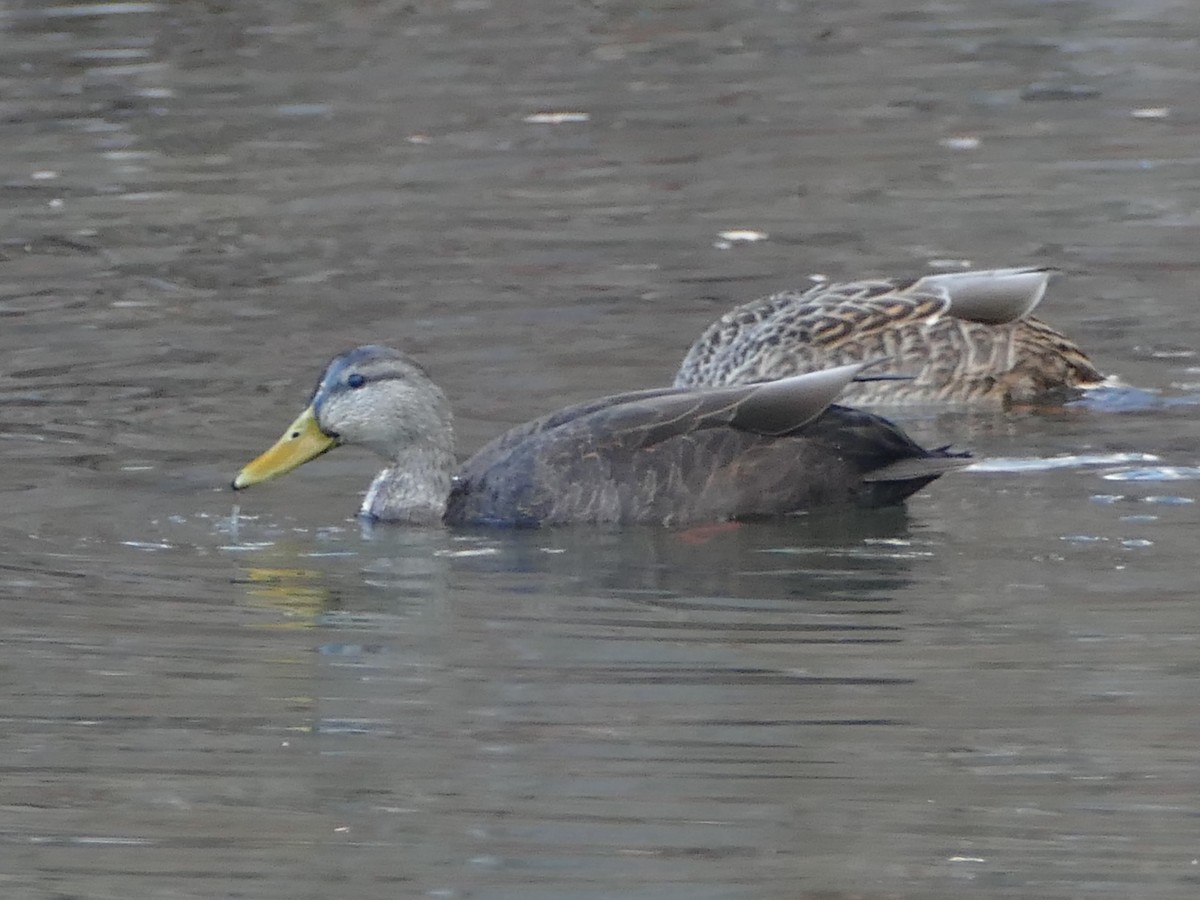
(967, 339)
(662, 456)
(622, 464)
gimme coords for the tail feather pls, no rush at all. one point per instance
(992, 296)
(928, 467)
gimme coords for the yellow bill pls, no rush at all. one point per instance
(303, 440)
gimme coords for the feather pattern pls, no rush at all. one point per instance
(965, 338)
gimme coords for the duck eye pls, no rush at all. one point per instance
(356, 380)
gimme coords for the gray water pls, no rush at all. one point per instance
(989, 694)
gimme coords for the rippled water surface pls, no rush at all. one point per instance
(992, 693)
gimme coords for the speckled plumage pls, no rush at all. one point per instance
(966, 338)
(662, 456)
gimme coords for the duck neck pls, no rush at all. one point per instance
(413, 489)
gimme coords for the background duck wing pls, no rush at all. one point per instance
(802, 331)
(909, 322)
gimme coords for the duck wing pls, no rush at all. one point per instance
(673, 456)
(798, 331)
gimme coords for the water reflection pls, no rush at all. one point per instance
(637, 696)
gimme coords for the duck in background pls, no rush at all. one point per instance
(967, 339)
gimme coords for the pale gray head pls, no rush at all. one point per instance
(379, 398)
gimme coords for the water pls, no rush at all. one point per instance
(989, 694)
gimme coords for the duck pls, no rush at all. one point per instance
(666, 456)
(967, 339)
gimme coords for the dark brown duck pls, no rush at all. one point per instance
(661, 456)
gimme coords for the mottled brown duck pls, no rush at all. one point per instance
(967, 339)
(661, 456)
